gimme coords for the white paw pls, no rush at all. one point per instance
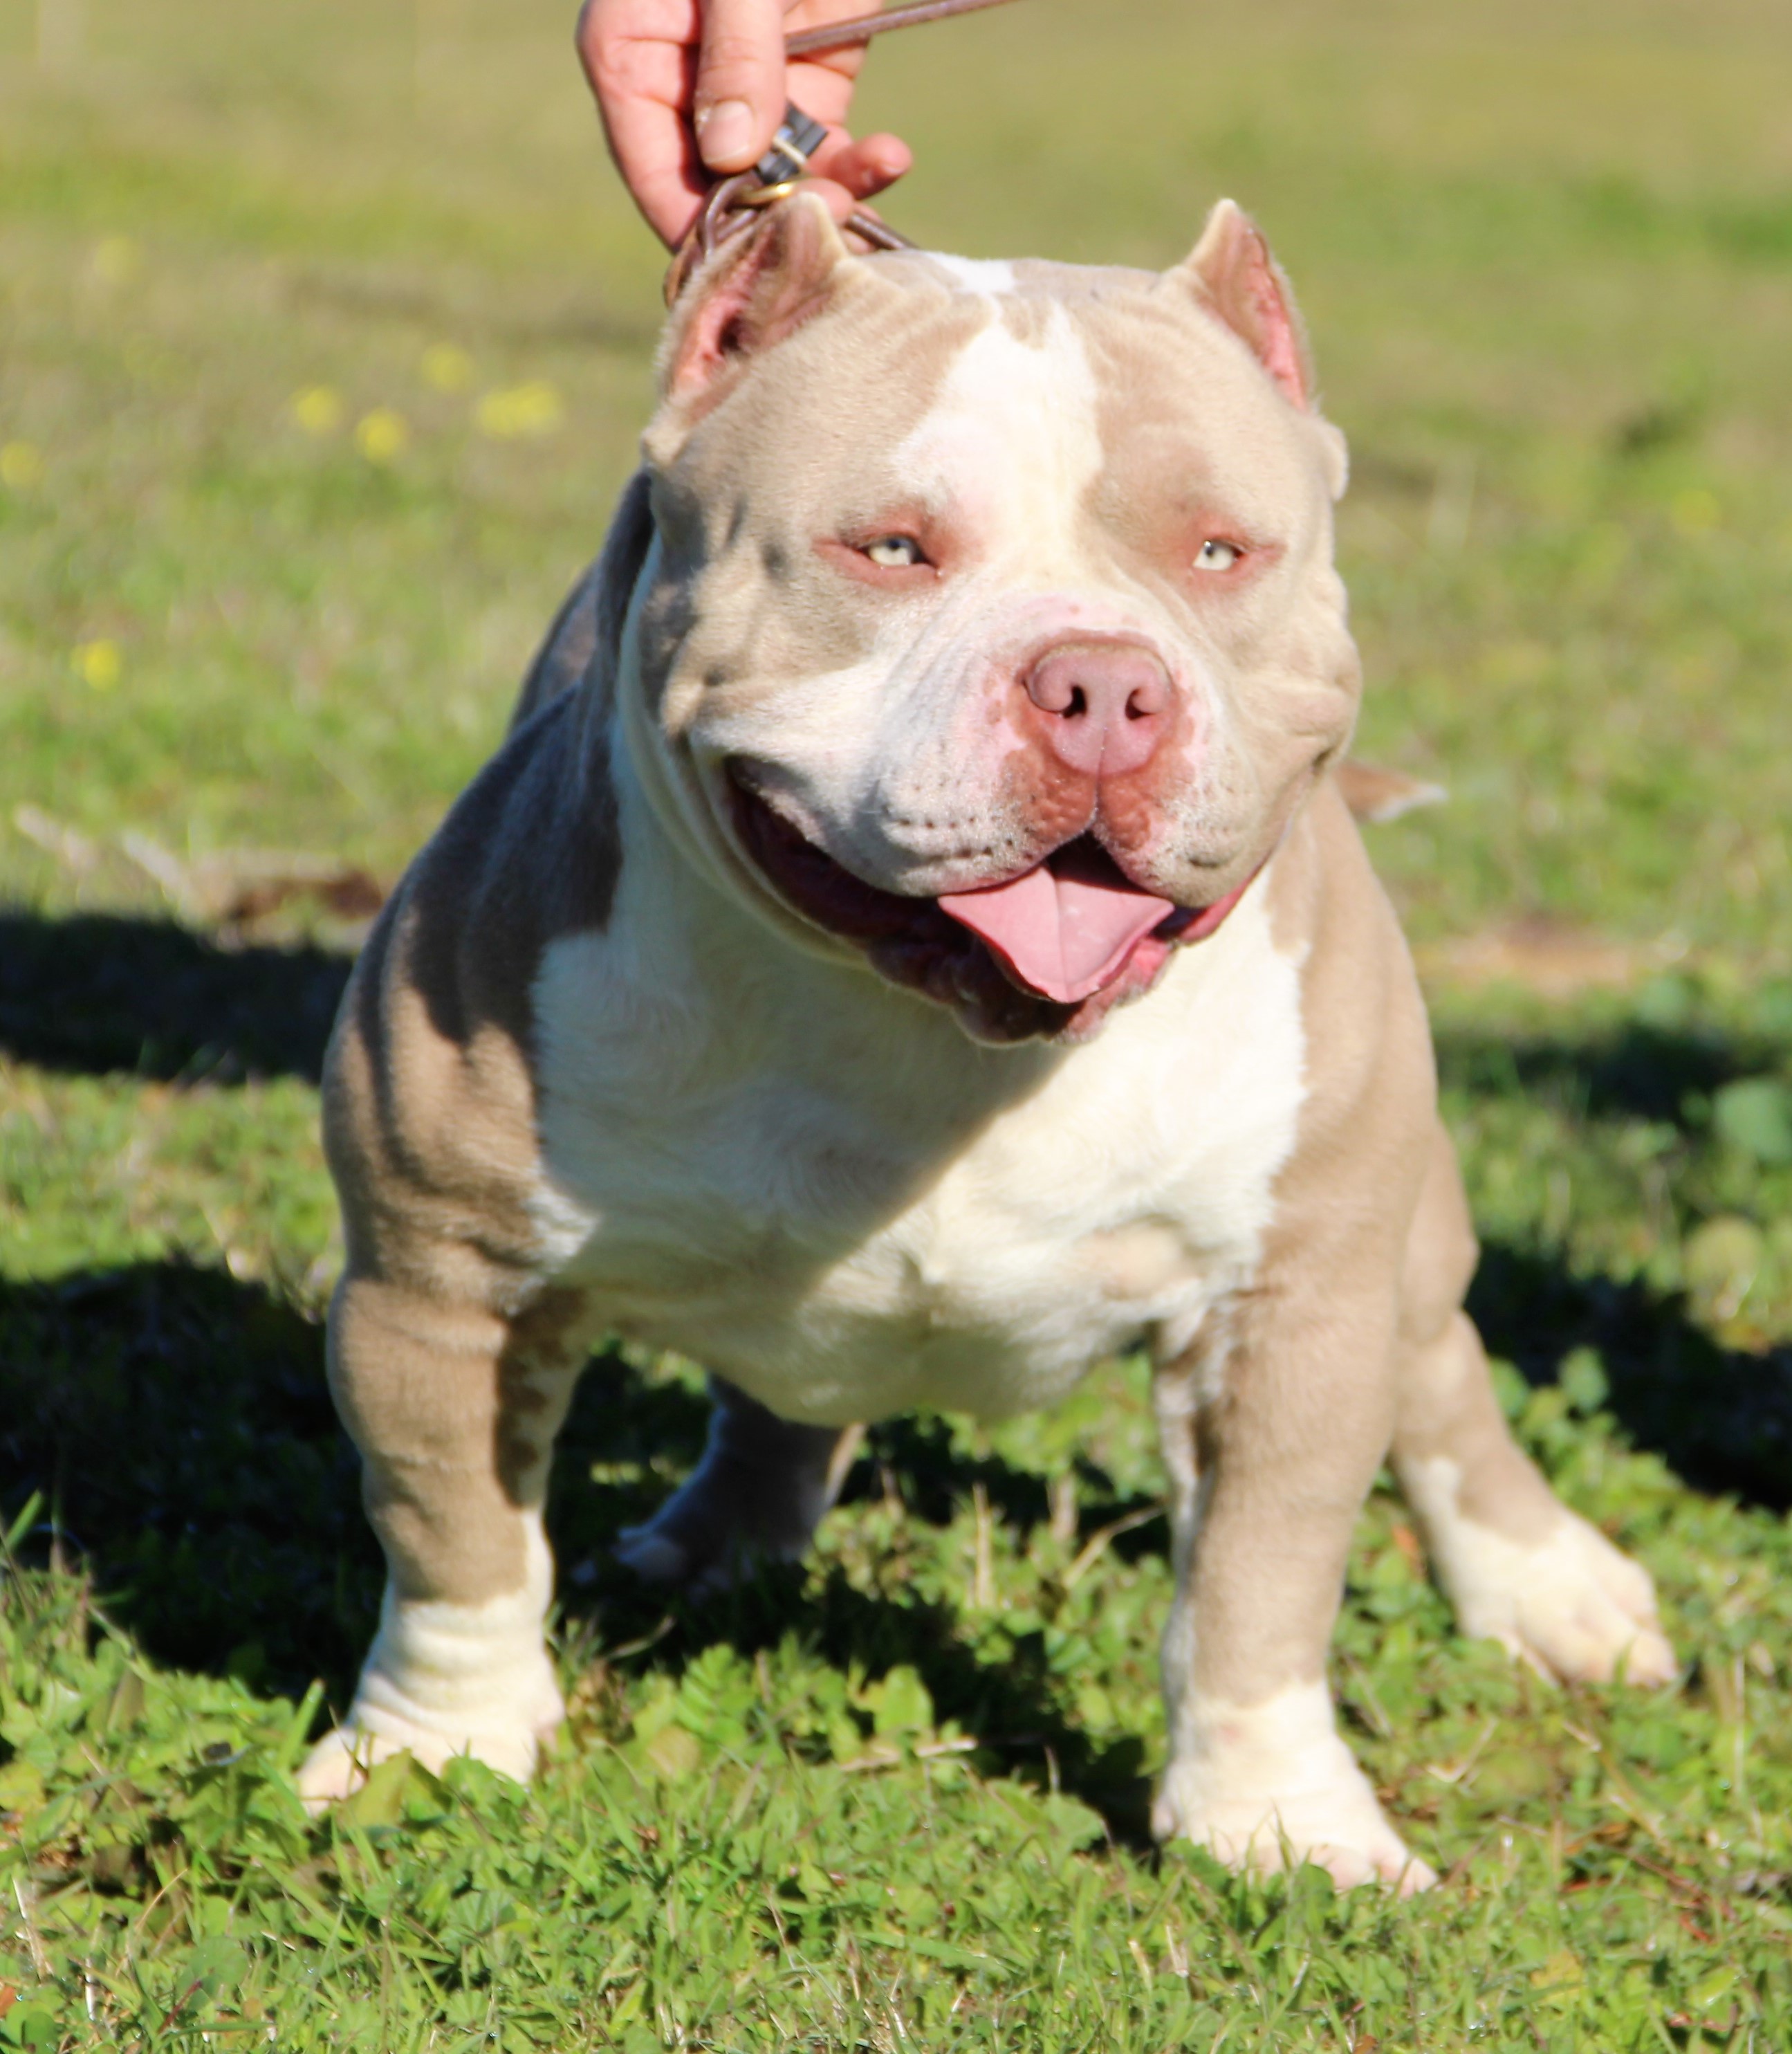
(1571, 1605)
(1269, 1786)
(340, 1763)
(656, 1557)
(445, 1679)
(1580, 1610)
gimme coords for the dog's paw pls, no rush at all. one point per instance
(342, 1761)
(703, 1540)
(721, 1523)
(756, 1496)
(1269, 1786)
(441, 1680)
(1341, 1830)
(1571, 1605)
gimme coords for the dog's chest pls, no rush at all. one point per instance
(846, 1249)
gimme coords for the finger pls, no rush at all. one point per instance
(639, 62)
(824, 72)
(823, 86)
(839, 201)
(667, 183)
(740, 96)
(863, 167)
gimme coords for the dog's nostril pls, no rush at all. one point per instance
(1104, 700)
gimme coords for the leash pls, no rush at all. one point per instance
(729, 208)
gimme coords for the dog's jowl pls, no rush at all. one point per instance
(912, 946)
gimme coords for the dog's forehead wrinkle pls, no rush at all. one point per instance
(1173, 379)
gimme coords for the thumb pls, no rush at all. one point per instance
(740, 96)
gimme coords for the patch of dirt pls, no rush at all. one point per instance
(1551, 957)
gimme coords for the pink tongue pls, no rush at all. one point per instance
(1062, 937)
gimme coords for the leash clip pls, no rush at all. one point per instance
(729, 205)
(798, 137)
(728, 209)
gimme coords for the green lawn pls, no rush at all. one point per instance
(324, 342)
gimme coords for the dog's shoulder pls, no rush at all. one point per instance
(429, 1085)
(590, 621)
(429, 1088)
(532, 850)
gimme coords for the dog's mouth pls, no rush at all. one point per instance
(1066, 929)
(1046, 953)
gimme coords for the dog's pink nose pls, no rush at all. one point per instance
(1107, 704)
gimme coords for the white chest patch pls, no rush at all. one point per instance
(849, 1230)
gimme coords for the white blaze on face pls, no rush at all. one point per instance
(1012, 445)
(989, 277)
(895, 763)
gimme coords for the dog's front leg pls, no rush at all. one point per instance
(455, 1408)
(1272, 1437)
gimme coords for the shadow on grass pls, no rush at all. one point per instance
(98, 993)
(1637, 1069)
(1721, 1418)
(1015, 1708)
(177, 1423)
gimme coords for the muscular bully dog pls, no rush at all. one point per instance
(912, 946)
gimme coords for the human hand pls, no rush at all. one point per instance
(691, 90)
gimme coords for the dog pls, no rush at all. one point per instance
(912, 945)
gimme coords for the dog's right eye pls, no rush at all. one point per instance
(895, 553)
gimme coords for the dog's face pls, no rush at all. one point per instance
(993, 632)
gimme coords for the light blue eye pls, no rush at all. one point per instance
(895, 553)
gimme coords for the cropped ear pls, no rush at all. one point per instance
(1233, 274)
(752, 293)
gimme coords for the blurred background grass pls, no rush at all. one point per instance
(325, 335)
(324, 343)
(1546, 251)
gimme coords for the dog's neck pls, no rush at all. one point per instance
(740, 993)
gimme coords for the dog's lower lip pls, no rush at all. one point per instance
(910, 938)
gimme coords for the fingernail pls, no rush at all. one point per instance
(724, 131)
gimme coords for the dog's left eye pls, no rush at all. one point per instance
(895, 553)
(1215, 555)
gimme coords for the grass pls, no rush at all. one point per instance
(324, 341)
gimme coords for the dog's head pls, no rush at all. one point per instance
(993, 633)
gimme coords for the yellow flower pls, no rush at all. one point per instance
(117, 260)
(517, 411)
(22, 466)
(318, 410)
(99, 664)
(381, 435)
(1696, 512)
(447, 368)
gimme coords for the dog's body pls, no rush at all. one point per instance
(969, 660)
